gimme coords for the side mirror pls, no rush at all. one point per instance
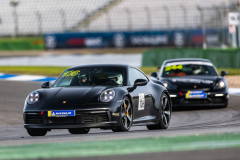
(224, 73)
(45, 85)
(140, 82)
(153, 74)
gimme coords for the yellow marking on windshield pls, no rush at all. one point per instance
(70, 73)
(174, 67)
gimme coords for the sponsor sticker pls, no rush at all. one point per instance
(190, 80)
(61, 113)
(149, 39)
(50, 42)
(196, 94)
(141, 103)
(119, 40)
(189, 62)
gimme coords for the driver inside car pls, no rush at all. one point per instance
(112, 80)
(83, 80)
(196, 70)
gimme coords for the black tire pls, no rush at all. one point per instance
(37, 132)
(165, 111)
(79, 130)
(126, 116)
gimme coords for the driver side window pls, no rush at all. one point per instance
(133, 75)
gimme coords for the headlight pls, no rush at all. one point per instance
(33, 97)
(168, 85)
(165, 84)
(107, 95)
(220, 84)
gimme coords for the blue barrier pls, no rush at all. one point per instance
(164, 38)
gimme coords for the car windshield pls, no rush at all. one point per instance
(189, 68)
(91, 76)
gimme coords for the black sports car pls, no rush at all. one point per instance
(193, 82)
(98, 96)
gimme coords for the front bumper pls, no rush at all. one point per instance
(90, 118)
(67, 126)
(212, 99)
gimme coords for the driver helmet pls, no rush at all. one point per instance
(81, 76)
(119, 78)
(196, 69)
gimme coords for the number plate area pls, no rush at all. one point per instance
(196, 95)
(66, 113)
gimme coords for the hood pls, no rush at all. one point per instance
(72, 95)
(193, 82)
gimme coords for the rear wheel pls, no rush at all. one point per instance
(165, 112)
(79, 130)
(126, 113)
(37, 132)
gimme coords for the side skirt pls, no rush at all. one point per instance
(146, 120)
(144, 124)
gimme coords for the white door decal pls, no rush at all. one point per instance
(141, 103)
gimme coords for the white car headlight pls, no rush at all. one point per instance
(168, 85)
(33, 97)
(165, 84)
(220, 84)
(107, 95)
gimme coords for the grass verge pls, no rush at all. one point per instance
(33, 70)
(56, 71)
(22, 43)
(118, 147)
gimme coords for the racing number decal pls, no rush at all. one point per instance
(174, 67)
(141, 103)
(70, 73)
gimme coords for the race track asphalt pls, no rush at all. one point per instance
(187, 122)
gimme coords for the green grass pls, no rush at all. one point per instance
(30, 70)
(22, 43)
(56, 71)
(118, 147)
(8, 39)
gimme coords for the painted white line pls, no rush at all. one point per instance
(234, 90)
(72, 60)
(25, 78)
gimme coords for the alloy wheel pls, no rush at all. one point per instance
(126, 113)
(166, 111)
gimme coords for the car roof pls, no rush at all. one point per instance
(101, 65)
(186, 59)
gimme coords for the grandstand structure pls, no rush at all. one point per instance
(36, 17)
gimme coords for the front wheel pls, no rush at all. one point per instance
(165, 112)
(37, 132)
(79, 130)
(126, 114)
